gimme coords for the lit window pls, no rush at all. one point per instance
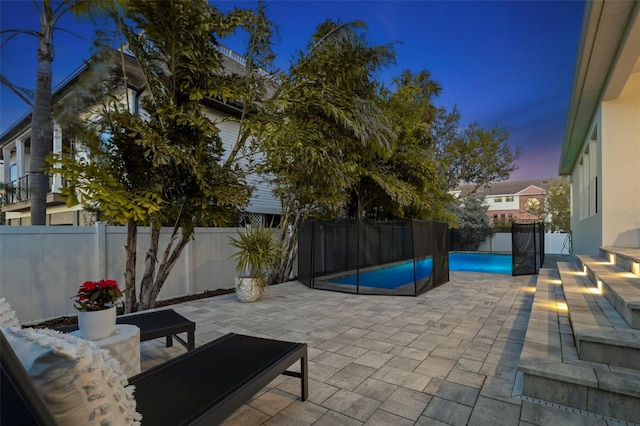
(508, 199)
(497, 199)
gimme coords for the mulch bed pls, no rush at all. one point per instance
(69, 320)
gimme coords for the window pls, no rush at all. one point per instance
(497, 199)
(495, 216)
(502, 216)
(510, 215)
(508, 199)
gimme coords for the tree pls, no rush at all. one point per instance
(164, 166)
(473, 222)
(315, 128)
(49, 13)
(405, 182)
(534, 207)
(558, 208)
(476, 156)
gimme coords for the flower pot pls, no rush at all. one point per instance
(247, 289)
(96, 325)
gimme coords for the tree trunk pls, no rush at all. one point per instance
(146, 287)
(289, 237)
(41, 124)
(152, 283)
(131, 304)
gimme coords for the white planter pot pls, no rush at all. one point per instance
(96, 325)
(247, 289)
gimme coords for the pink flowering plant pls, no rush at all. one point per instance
(97, 295)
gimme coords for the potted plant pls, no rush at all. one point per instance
(259, 252)
(96, 304)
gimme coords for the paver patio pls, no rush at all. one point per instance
(446, 357)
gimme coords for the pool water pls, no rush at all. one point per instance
(480, 262)
(401, 274)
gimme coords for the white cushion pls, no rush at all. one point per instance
(80, 383)
(8, 316)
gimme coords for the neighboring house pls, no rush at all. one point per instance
(509, 201)
(601, 147)
(15, 146)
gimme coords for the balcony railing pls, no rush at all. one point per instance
(20, 190)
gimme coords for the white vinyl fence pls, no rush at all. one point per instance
(41, 267)
(554, 243)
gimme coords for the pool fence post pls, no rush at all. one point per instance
(358, 257)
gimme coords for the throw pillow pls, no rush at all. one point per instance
(8, 317)
(80, 383)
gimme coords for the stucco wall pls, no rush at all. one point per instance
(621, 167)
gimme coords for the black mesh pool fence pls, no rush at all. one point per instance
(398, 258)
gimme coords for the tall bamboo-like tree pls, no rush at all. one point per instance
(49, 13)
(312, 129)
(406, 182)
(166, 165)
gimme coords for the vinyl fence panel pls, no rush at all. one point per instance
(41, 267)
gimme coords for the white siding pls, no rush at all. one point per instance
(262, 199)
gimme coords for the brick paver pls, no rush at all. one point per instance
(446, 357)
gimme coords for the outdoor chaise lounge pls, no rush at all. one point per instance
(154, 324)
(201, 386)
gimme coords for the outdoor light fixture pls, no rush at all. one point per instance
(584, 269)
(612, 258)
(635, 268)
(599, 284)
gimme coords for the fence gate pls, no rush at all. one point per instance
(527, 248)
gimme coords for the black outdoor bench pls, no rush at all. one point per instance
(201, 386)
(154, 324)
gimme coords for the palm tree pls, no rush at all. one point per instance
(49, 14)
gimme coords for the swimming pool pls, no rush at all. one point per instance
(402, 274)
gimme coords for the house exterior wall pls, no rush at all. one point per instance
(13, 151)
(605, 184)
(621, 167)
(601, 147)
(262, 199)
(512, 210)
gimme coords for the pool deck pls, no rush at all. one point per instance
(448, 356)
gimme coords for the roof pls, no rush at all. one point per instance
(509, 187)
(607, 54)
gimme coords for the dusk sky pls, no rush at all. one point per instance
(506, 62)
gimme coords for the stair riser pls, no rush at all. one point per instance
(623, 407)
(619, 356)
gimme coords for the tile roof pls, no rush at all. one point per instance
(508, 187)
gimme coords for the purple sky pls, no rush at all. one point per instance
(505, 62)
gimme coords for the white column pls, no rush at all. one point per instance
(57, 149)
(20, 158)
(6, 156)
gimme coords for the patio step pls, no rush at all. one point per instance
(626, 258)
(619, 286)
(551, 370)
(600, 333)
